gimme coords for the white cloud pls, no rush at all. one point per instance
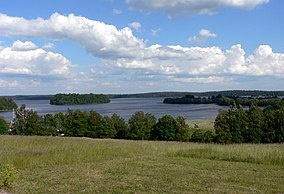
(26, 58)
(192, 7)
(121, 49)
(135, 25)
(265, 62)
(202, 36)
(117, 11)
(48, 46)
(155, 32)
(189, 61)
(9, 84)
(199, 80)
(97, 37)
(23, 46)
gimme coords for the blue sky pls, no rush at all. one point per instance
(134, 46)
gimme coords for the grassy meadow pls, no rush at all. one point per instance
(83, 165)
(206, 124)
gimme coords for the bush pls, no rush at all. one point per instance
(10, 175)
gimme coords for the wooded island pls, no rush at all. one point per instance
(7, 104)
(73, 99)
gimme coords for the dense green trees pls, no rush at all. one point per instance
(224, 101)
(229, 93)
(3, 126)
(252, 126)
(230, 124)
(140, 125)
(236, 125)
(165, 129)
(7, 104)
(69, 99)
(120, 126)
(182, 130)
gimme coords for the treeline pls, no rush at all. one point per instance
(224, 101)
(227, 93)
(233, 126)
(32, 97)
(239, 93)
(252, 126)
(73, 99)
(141, 126)
(7, 104)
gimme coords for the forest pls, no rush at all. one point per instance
(7, 104)
(236, 125)
(224, 101)
(73, 99)
(227, 93)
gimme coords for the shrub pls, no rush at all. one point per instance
(10, 175)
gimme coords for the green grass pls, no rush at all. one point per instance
(81, 165)
(206, 124)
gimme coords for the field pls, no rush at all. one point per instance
(205, 124)
(82, 165)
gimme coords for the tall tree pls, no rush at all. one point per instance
(76, 123)
(140, 125)
(254, 132)
(165, 129)
(95, 124)
(107, 129)
(279, 121)
(34, 125)
(269, 135)
(222, 128)
(182, 133)
(120, 126)
(22, 118)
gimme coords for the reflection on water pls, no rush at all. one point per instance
(125, 107)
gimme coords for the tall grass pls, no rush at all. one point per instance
(83, 165)
(30, 151)
(271, 154)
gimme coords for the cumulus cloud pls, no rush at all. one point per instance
(121, 49)
(202, 36)
(192, 7)
(97, 37)
(23, 46)
(265, 62)
(135, 25)
(185, 62)
(27, 59)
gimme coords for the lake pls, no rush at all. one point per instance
(125, 107)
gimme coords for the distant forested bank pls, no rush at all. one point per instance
(236, 125)
(73, 99)
(227, 93)
(226, 101)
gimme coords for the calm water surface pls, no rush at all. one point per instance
(125, 107)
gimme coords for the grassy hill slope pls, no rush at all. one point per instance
(81, 165)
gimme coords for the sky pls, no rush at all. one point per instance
(137, 46)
